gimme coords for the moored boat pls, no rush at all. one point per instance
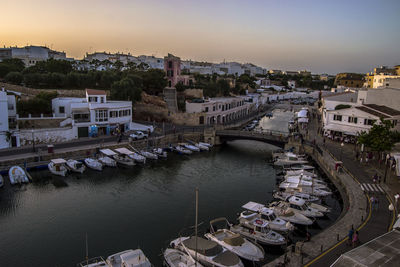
(286, 213)
(148, 155)
(57, 167)
(202, 147)
(106, 158)
(160, 152)
(206, 144)
(93, 164)
(191, 147)
(128, 258)
(182, 150)
(177, 258)
(284, 195)
(75, 166)
(123, 157)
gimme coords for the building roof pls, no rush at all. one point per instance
(95, 92)
(384, 109)
(383, 250)
(372, 112)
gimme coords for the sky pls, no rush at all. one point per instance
(322, 36)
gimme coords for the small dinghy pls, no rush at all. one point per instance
(94, 164)
(148, 155)
(75, 166)
(202, 147)
(176, 258)
(160, 152)
(124, 157)
(105, 158)
(182, 150)
(57, 167)
(17, 175)
(191, 147)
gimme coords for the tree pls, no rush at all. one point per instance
(11, 65)
(118, 65)
(127, 89)
(380, 137)
(40, 104)
(223, 87)
(153, 81)
(180, 87)
(342, 106)
(14, 77)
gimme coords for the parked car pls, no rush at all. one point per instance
(138, 135)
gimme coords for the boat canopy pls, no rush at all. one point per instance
(58, 161)
(296, 201)
(124, 150)
(234, 240)
(108, 152)
(227, 258)
(206, 247)
(253, 206)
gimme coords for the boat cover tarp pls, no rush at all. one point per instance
(234, 240)
(204, 246)
(227, 258)
(124, 150)
(108, 152)
(58, 161)
(253, 206)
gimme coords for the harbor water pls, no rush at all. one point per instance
(45, 223)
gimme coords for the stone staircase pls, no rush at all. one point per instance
(170, 99)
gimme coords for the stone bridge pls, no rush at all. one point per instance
(275, 138)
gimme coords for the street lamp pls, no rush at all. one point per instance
(341, 151)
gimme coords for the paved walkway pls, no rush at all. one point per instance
(380, 217)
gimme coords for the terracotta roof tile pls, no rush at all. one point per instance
(95, 92)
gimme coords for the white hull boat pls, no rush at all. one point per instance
(57, 167)
(300, 167)
(138, 158)
(308, 179)
(75, 166)
(107, 161)
(284, 211)
(206, 144)
(284, 195)
(129, 258)
(304, 208)
(149, 155)
(191, 147)
(300, 172)
(302, 183)
(289, 162)
(93, 164)
(160, 152)
(176, 258)
(267, 214)
(124, 160)
(202, 147)
(182, 150)
(314, 191)
(208, 253)
(17, 175)
(94, 262)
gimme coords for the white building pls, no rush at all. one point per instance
(356, 119)
(152, 62)
(389, 97)
(8, 112)
(382, 80)
(220, 110)
(31, 54)
(94, 115)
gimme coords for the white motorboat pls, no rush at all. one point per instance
(288, 161)
(304, 183)
(309, 205)
(206, 144)
(17, 175)
(160, 152)
(1, 181)
(300, 167)
(295, 187)
(75, 166)
(129, 258)
(202, 147)
(300, 205)
(281, 155)
(300, 172)
(234, 242)
(137, 157)
(148, 155)
(182, 150)
(257, 229)
(284, 195)
(284, 211)
(309, 179)
(274, 223)
(191, 147)
(177, 258)
(94, 164)
(106, 158)
(57, 167)
(209, 253)
(124, 157)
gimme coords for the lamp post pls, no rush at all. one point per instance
(341, 151)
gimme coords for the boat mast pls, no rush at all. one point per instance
(195, 231)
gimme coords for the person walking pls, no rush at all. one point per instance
(356, 239)
(350, 236)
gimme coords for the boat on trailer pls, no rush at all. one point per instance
(57, 167)
(75, 166)
(106, 158)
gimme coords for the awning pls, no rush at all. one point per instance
(348, 130)
(108, 152)
(124, 150)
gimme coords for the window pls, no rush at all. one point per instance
(369, 122)
(223, 107)
(352, 120)
(337, 117)
(169, 64)
(206, 109)
(92, 98)
(101, 99)
(101, 115)
(213, 108)
(61, 109)
(113, 114)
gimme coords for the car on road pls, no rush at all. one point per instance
(138, 135)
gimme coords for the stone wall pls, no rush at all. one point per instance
(46, 136)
